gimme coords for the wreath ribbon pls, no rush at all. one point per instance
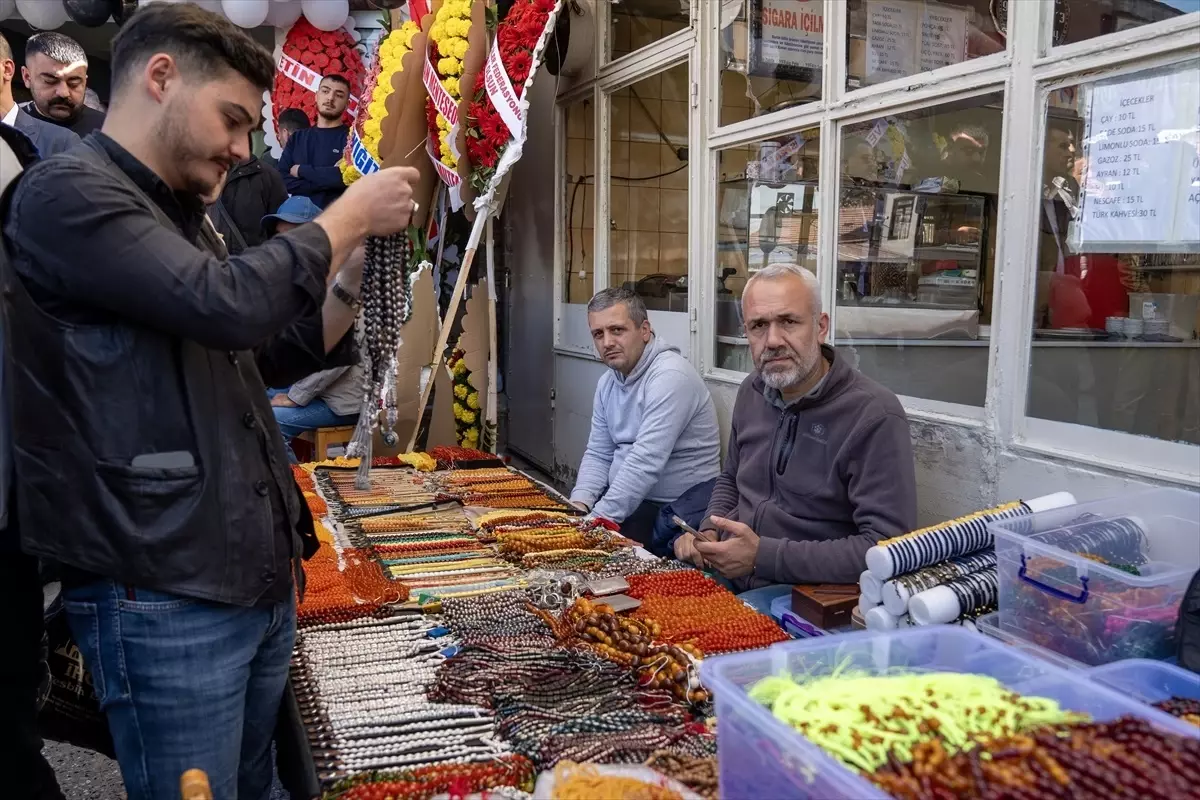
(500, 91)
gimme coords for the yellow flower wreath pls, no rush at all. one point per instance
(389, 58)
(449, 32)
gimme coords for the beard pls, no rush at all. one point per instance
(330, 114)
(186, 151)
(61, 108)
(796, 370)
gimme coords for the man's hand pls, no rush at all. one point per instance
(294, 171)
(685, 551)
(384, 199)
(734, 557)
(281, 400)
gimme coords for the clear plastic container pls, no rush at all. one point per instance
(791, 622)
(1056, 597)
(989, 625)
(760, 757)
(1148, 681)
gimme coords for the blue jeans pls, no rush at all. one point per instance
(294, 421)
(761, 598)
(185, 684)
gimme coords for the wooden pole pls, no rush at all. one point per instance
(439, 349)
(490, 427)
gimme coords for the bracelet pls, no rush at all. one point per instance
(347, 298)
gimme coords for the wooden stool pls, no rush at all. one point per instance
(323, 438)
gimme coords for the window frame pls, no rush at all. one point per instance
(681, 47)
(1025, 72)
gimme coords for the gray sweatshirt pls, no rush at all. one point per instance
(820, 480)
(654, 435)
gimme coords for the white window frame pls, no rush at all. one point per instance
(678, 48)
(1024, 72)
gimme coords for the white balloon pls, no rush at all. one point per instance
(246, 13)
(326, 15)
(283, 14)
(42, 15)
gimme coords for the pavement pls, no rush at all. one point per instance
(84, 775)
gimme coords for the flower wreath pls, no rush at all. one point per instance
(447, 49)
(517, 37)
(466, 400)
(323, 52)
(389, 57)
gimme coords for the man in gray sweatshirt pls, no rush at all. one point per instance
(820, 463)
(654, 428)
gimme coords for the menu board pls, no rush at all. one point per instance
(786, 38)
(905, 38)
(1141, 184)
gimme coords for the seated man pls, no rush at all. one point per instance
(820, 463)
(654, 428)
(325, 399)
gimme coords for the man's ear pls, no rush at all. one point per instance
(646, 331)
(25, 78)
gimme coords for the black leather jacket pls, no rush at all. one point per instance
(130, 335)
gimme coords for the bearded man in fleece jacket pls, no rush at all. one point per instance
(654, 428)
(820, 463)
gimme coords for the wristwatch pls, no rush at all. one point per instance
(345, 297)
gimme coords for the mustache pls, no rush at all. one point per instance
(61, 101)
(772, 353)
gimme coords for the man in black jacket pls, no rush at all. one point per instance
(26, 772)
(252, 191)
(149, 463)
(55, 73)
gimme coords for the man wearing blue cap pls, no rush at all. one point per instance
(331, 397)
(294, 212)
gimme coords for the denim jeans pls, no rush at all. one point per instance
(295, 420)
(185, 684)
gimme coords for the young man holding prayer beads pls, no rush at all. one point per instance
(820, 464)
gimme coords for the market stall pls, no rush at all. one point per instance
(464, 629)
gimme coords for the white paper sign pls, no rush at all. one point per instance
(1142, 182)
(792, 33)
(905, 38)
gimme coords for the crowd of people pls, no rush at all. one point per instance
(159, 277)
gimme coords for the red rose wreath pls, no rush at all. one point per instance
(517, 36)
(323, 52)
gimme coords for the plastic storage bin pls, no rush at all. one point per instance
(989, 625)
(760, 757)
(1053, 595)
(1148, 681)
(791, 622)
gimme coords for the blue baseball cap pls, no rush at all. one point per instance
(296, 210)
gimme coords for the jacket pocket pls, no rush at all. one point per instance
(154, 506)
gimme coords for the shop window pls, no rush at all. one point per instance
(640, 23)
(916, 250)
(1079, 20)
(648, 200)
(1117, 297)
(771, 56)
(889, 39)
(579, 202)
(767, 200)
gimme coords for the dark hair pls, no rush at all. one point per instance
(55, 46)
(607, 298)
(203, 43)
(293, 119)
(335, 78)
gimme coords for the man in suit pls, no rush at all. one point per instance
(47, 138)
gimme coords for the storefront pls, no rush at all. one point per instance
(982, 186)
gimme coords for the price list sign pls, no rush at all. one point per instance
(1141, 187)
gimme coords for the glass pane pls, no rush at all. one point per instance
(638, 23)
(579, 202)
(1118, 283)
(889, 39)
(767, 202)
(916, 248)
(771, 56)
(1080, 20)
(648, 204)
